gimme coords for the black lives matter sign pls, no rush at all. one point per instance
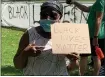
(68, 38)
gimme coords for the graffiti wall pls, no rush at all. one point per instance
(24, 14)
(16, 15)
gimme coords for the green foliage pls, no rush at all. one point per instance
(9, 44)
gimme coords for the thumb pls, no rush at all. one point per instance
(33, 43)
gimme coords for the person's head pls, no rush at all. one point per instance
(51, 12)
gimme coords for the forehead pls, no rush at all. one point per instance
(49, 9)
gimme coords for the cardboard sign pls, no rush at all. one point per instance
(68, 38)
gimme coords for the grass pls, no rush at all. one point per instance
(10, 39)
(9, 44)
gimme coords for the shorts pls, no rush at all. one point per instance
(102, 71)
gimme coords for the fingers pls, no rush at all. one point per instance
(34, 47)
(39, 47)
(74, 55)
(30, 47)
(33, 43)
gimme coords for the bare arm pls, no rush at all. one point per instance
(20, 59)
(82, 7)
(26, 50)
(99, 16)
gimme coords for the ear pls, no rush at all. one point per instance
(58, 18)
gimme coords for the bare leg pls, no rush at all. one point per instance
(83, 65)
(73, 65)
(97, 65)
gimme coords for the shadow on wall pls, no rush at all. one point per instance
(10, 71)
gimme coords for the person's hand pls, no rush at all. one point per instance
(70, 1)
(33, 50)
(73, 56)
(95, 42)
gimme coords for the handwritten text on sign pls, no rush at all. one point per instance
(68, 38)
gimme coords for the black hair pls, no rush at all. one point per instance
(55, 5)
